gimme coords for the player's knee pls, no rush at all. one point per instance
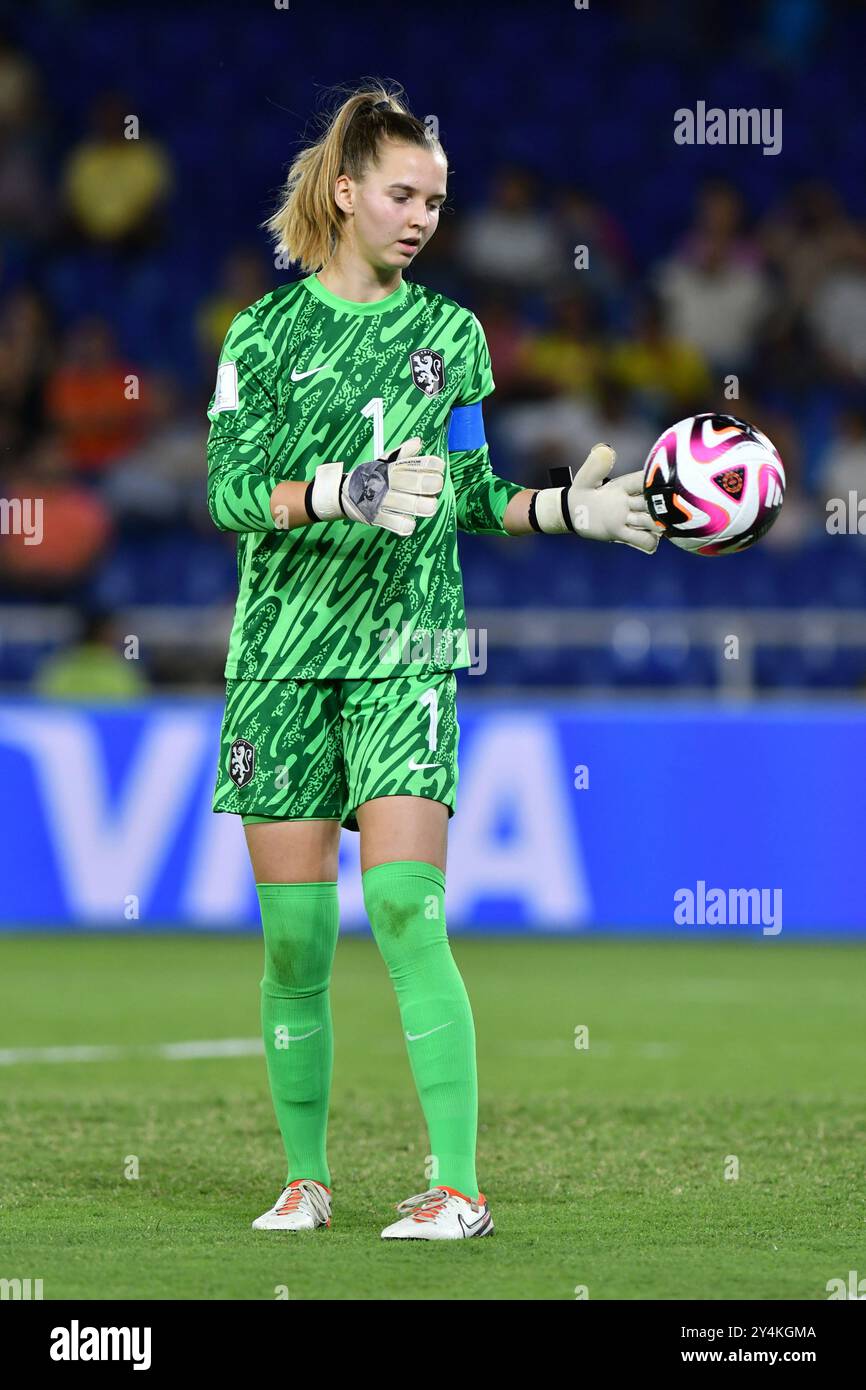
(300, 925)
(392, 918)
(294, 979)
(297, 966)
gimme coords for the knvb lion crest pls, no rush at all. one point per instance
(242, 762)
(428, 370)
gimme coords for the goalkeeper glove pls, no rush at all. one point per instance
(391, 491)
(614, 512)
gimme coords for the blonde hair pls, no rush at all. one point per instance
(307, 224)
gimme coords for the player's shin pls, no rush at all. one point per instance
(405, 902)
(300, 922)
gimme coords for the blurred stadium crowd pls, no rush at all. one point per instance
(124, 260)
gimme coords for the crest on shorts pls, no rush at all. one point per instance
(428, 370)
(242, 762)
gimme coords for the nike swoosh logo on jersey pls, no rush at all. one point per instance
(299, 376)
(413, 1037)
(416, 767)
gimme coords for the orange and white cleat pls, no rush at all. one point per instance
(302, 1206)
(443, 1213)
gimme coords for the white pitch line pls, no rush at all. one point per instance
(658, 1051)
(222, 1047)
(170, 1052)
(253, 1047)
(10, 1055)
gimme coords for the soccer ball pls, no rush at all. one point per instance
(714, 484)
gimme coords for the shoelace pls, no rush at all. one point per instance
(304, 1189)
(425, 1206)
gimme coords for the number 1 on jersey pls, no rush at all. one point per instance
(374, 410)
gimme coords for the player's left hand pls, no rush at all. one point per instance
(614, 510)
(599, 510)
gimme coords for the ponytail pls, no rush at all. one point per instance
(307, 225)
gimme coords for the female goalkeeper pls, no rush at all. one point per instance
(346, 447)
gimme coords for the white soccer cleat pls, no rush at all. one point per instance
(302, 1206)
(443, 1213)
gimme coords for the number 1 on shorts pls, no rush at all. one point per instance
(429, 698)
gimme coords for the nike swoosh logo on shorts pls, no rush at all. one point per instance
(299, 376)
(302, 1036)
(413, 1037)
(416, 767)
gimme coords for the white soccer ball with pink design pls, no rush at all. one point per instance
(714, 484)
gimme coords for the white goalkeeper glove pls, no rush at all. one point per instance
(391, 491)
(616, 511)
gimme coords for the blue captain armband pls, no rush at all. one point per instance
(466, 428)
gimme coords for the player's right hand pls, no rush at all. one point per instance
(391, 491)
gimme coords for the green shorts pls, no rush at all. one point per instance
(318, 749)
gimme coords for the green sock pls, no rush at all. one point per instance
(300, 923)
(405, 902)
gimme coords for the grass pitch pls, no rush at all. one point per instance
(604, 1167)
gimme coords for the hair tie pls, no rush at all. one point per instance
(382, 106)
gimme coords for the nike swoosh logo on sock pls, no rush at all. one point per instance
(413, 1037)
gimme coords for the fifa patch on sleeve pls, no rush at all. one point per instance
(466, 428)
(226, 396)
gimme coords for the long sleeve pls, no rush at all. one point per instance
(481, 495)
(242, 413)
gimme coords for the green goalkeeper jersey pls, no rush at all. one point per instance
(306, 378)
